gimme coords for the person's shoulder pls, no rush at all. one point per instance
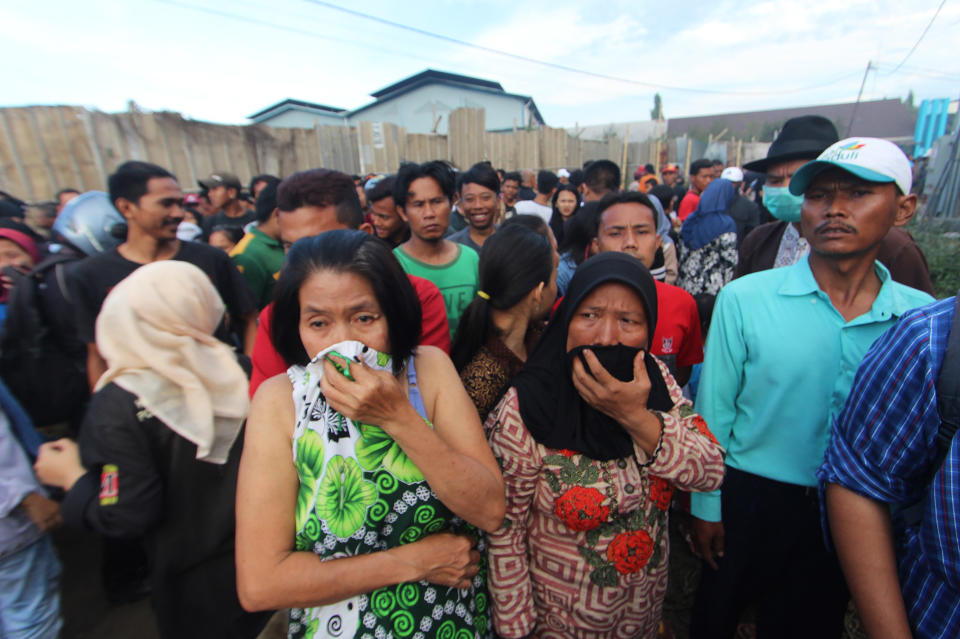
(430, 359)
(907, 297)
(922, 315)
(423, 287)
(400, 253)
(674, 295)
(469, 254)
(762, 233)
(249, 240)
(111, 401)
(91, 264)
(201, 255)
(456, 236)
(759, 284)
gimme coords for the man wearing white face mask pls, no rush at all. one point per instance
(780, 243)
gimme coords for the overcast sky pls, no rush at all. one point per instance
(222, 61)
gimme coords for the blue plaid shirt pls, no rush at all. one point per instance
(882, 447)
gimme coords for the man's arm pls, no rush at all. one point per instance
(96, 365)
(863, 537)
(717, 403)
(249, 332)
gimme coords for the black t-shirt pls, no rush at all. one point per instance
(143, 479)
(222, 219)
(92, 278)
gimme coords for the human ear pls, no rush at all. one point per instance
(906, 207)
(125, 206)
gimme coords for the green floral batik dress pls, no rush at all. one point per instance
(359, 493)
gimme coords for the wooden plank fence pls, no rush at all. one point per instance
(46, 148)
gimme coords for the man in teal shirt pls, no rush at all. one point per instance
(781, 355)
(259, 255)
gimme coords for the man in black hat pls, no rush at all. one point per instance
(223, 191)
(780, 243)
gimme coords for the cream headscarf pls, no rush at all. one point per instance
(155, 331)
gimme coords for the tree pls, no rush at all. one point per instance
(657, 112)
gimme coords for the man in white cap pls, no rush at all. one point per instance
(783, 349)
(742, 209)
(563, 176)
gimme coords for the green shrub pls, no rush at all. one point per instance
(940, 242)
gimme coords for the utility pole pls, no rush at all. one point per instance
(859, 95)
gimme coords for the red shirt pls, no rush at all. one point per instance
(688, 205)
(677, 340)
(267, 361)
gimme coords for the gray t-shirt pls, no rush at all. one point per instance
(463, 237)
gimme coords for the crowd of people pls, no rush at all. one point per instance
(486, 403)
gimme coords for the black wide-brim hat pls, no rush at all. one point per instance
(802, 138)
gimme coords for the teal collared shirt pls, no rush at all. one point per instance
(779, 363)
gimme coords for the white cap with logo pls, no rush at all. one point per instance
(871, 159)
(732, 173)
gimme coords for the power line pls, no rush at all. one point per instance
(422, 32)
(562, 67)
(920, 39)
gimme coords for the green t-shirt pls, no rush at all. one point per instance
(457, 279)
(259, 259)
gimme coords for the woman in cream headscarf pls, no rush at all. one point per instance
(159, 451)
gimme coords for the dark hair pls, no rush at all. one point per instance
(513, 262)
(648, 168)
(705, 303)
(602, 176)
(263, 177)
(556, 219)
(533, 222)
(65, 191)
(196, 218)
(379, 188)
(625, 197)
(233, 233)
(716, 161)
(665, 194)
(513, 176)
(579, 231)
(130, 179)
(576, 177)
(546, 182)
(346, 251)
(322, 187)
(483, 174)
(699, 165)
(440, 171)
(266, 202)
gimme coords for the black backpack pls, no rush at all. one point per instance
(42, 363)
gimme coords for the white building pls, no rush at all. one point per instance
(422, 103)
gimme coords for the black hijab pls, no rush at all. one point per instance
(550, 405)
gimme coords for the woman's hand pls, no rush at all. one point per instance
(444, 559)
(625, 402)
(58, 464)
(372, 397)
(620, 400)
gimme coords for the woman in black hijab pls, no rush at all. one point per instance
(592, 437)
